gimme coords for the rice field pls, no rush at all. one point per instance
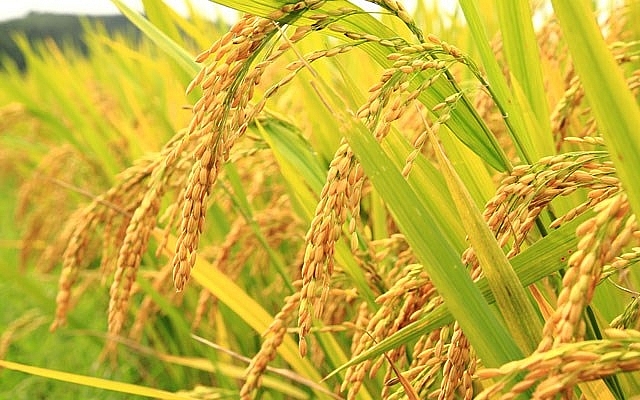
(324, 202)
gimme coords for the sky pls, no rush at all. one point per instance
(10, 9)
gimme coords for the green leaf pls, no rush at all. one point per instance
(91, 381)
(517, 114)
(161, 16)
(162, 40)
(520, 317)
(426, 235)
(520, 48)
(615, 107)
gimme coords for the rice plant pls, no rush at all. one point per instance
(347, 203)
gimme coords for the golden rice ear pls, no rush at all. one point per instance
(584, 269)
(458, 368)
(557, 371)
(324, 232)
(268, 350)
(134, 245)
(73, 259)
(220, 118)
(410, 293)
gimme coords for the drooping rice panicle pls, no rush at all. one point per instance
(388, 100)
(274, 337)
(629, 318)
(130, 256)
(398, 307)
(456, 371)
(599, 235)
(556, 371)
(148, 307)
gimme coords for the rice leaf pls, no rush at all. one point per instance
(615, 107)
(521, 319)
(91, 381)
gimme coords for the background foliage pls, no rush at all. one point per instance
(454, 190)
(62, 29)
